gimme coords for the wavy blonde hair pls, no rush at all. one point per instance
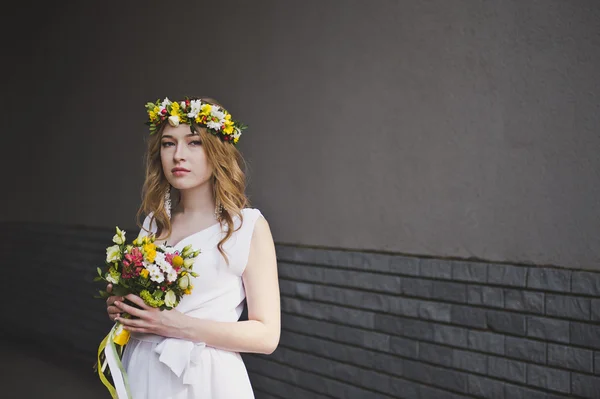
(228, 180)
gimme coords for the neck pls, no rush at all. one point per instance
(197, 201)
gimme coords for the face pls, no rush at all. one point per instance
(183, 158)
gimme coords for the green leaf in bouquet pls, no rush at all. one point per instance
(119, 290)
(99, 271)
(103, 294)
(99, 278)
(158, 294)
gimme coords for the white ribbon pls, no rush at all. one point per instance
(182, 357)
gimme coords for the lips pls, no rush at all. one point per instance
(179, 170)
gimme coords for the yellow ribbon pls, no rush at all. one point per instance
(120, 336)
(107, 384)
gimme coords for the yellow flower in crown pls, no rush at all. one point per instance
(214, 118)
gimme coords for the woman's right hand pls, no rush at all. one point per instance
(112, 310)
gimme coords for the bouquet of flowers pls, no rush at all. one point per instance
(160, 275)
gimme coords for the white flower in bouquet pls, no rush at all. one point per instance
(119, 238)
(113, 253)
(170, 298)
(184, 282)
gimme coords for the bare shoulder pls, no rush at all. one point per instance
(261, 236)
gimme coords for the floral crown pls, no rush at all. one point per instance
(216, 119)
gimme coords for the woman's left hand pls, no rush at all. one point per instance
(149, 320)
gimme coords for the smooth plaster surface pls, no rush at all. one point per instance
(439, 128)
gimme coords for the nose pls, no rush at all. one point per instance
(179, 154)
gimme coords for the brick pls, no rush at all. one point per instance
(483, 387)
(342, 352)
(468, 316)
(426, 392)
(417, 287)
(363, 280)
(317, 327)
(525, 349)
(448, 291)
(449, 379)
(570, 358)
(507, 275)
(300, 272)
(548, 329)
(280, 388)
(470, 361)
(435, 268)
(449, 335)
(586, 386)
(586, 335)
(407, 327)
(404, 265)
(350, 297)
(405, 306)
(404, 347)
(595, 305)
(329, 312)
(488, 296)
(517, 392)
(486, 342)
(506, 322)
(568, 307)
(333, 369)
(549, 378)
(437, 354)
(526, 301)
(587, 283)
(548, 279)
(507, 369)
(434, 311)
(401, 388)
(468, 271)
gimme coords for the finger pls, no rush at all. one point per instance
(109, 287)
(123, 307)
(138, 301)
(113, 310)
(112, 299)
(131, 322)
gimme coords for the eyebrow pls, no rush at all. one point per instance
(168, 136)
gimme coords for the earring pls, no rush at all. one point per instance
(218, 209)
(168, 202)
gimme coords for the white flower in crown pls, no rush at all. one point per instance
(165, 102)
(213, 125)
(217, 113)
(237, 133)
(194, 108)
(174, 120)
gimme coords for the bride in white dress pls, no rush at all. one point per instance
(193, 350)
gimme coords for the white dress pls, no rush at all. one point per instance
(170, 368)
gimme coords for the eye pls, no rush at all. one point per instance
(165, 144)
(195, 142)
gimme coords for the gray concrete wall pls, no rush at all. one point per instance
(442, 128)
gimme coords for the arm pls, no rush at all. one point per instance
(259, 334)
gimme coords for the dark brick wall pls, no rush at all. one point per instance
(361, 325)
(355, 325)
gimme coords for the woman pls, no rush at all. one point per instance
(193, 350)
